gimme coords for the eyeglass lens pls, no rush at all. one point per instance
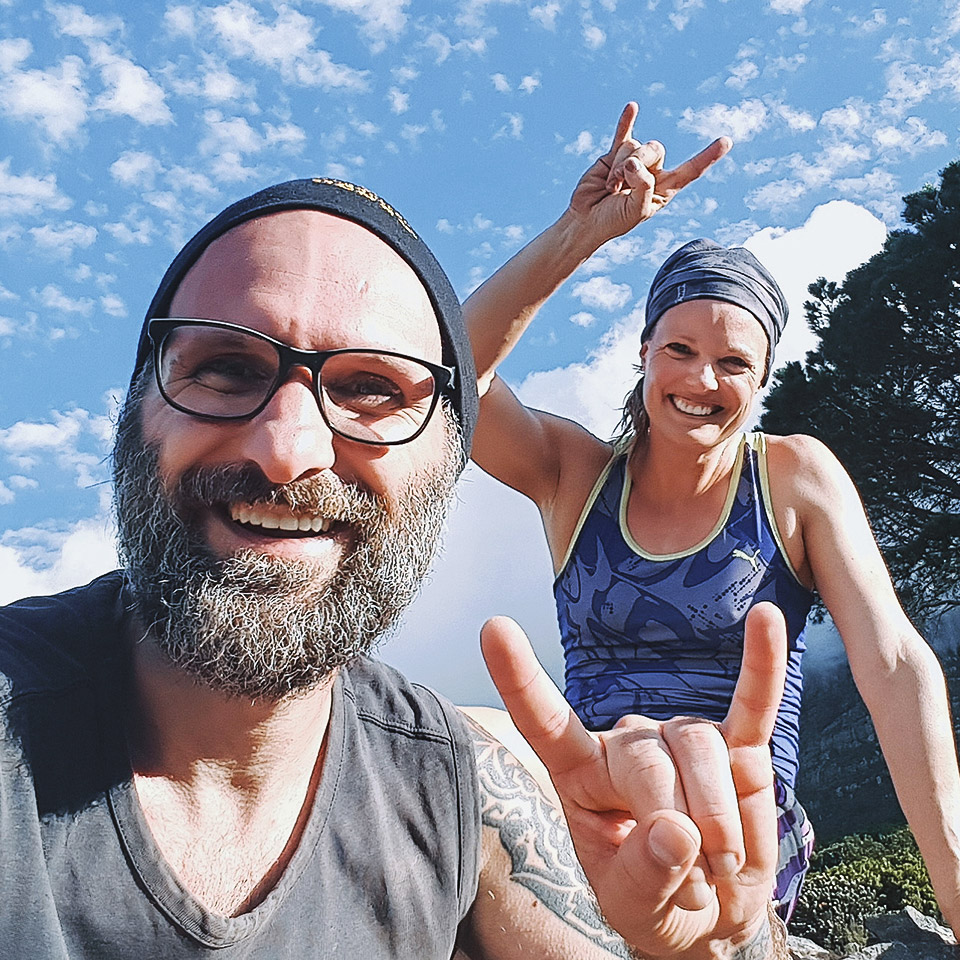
(214, 372)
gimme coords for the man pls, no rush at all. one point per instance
(198, 757)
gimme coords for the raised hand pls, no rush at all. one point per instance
(628, 184)
(674, 822)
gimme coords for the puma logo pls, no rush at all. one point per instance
(753, 561)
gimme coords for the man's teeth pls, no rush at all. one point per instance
(692, 408)
(271, 519)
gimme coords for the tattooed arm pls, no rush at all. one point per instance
(533, 899)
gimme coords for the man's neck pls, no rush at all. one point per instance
(178, 723)
(226, 785)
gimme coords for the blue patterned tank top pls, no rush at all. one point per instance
(663, 635)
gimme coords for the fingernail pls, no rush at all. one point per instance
(670, 843)
(724, 864)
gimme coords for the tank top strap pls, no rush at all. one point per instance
(605, 494)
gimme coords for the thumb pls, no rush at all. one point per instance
(655, 875)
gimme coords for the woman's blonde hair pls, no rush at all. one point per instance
(634, 419)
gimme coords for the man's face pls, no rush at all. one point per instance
(232, 596)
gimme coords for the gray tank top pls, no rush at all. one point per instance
(387, 866)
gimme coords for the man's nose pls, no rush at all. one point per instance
(289, 439)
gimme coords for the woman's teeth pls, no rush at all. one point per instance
(277, 518)
(693, 409)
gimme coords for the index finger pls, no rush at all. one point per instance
(532, 699)
(756, 698)
(624, 131)
(696, 166)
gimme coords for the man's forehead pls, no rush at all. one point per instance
(306, 257)
(306, 242)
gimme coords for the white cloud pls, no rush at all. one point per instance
(907, 85)
(130, 90)
(742, 122)
(593, 36)
(182, 178)
(583, 144)
(13, 51)
(848, 118)
(797, 120)
(546, 14)
(583, 319)
(911, 138)
(835, 238)
(53, 298)
(614, 253)
(500, 83)
(54, 99)
(440, 45)
(285, 135)
(513, 127)
(6, 494)
(67, 558)
(62, 239)
(793, 7)
(27, 194)
(113, 306)
(741, 73)
(26, 437)
(74, 21)
(133, 229)
(221, 86)
(776, 195)
(529, 83)
(380, 18)
(876, 21)
(285, 46)
(136, 168)
(683, 11)
(180, 21)
(412, 132)
(399, 100)
(19, 482)
(602, 293)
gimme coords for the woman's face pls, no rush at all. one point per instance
(703, 366)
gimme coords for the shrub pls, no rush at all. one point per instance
(858, 877)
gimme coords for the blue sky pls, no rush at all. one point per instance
(124, 127)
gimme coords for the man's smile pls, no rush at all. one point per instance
(276, 520)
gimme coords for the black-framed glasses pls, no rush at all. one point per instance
(223, 371)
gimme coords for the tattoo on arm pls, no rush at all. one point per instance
(535, 836)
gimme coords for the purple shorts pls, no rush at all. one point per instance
(795, 834)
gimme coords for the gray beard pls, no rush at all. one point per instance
(260, 627)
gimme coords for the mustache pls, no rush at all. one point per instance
(324, 494)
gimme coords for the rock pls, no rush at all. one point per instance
(908, 935)
(802, 949)
(909, 926)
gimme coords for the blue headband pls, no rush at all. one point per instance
(364, 207)
(703, 270)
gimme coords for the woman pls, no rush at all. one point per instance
(662, 541)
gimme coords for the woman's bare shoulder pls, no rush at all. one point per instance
(804, 467)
